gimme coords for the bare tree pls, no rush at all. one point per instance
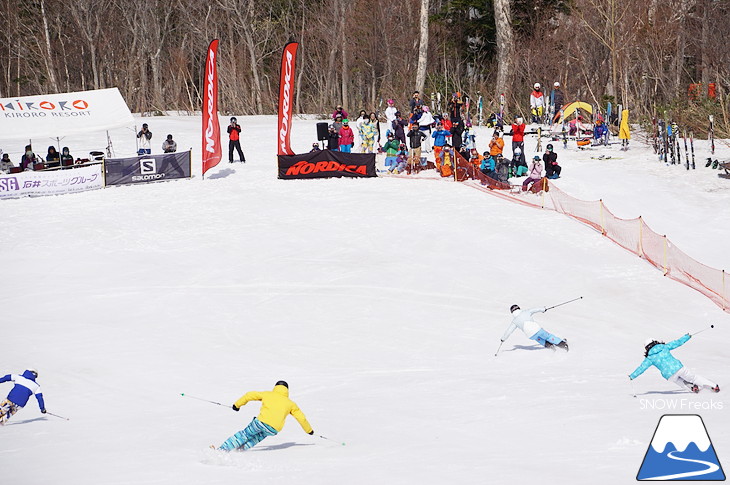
(505, 45)
(422, 46)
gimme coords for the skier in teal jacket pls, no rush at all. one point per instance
(658, 354)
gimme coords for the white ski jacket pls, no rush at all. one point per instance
(523, 320)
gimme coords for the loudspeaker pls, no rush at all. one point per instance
(322, 130)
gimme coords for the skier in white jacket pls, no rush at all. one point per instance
(522, 319)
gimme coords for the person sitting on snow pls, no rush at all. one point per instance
(534, 175)
(275, 407)
(522, 319)
(657, 354)
(599, 132)
(552, 169)
(25, 386)
(401, 160)
(519, 166)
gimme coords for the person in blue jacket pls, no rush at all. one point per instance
(658, 354)
(25, 386)
(599, 132)
(522, 319)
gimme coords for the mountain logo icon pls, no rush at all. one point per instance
(681, 450)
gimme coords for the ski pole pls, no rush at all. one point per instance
(330, 439)
(564, 303)
(201, 399)
(500, 346)
(56, 415)
(633, 391)
(707, 328)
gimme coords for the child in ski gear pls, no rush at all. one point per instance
(347, 137)
(398, 126)
(445, 161)
(338, 123)
(518, 138)
(519, 166)
(488, 166)
(457, 130)
(339, 112)
(144, 135)
(275, 407)
(534, 174)
(522, 319)
(537, 103)
(552, 169)
(496, 144)
(390, 112)
(25, 386)
(5, 163)
(333, 138)
(425, 123)
(599, 132)
(416, 136)
(468, 138)
(315, 148)
(658, 354)
(169, 145)
(439, 140)
(391, 150)
(401, 160)
(368, 131)
(234, 140)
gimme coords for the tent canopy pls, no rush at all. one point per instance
(56, 115)
(572, 107)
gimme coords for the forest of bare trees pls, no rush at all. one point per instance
(642, 53)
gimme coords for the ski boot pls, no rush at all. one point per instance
(695, 388)
(715, 163)
(709, 162)
(564, 345)
(550, 346)
(716, 388)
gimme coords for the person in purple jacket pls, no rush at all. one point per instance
(25, 386)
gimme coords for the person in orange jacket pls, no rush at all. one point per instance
(275, 407)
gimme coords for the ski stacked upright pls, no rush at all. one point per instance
(686, 150)
(500, 121)
(480, 108)
(663, 142)
(654, 137)
(711, 134)
(692, 147)
(539, 139)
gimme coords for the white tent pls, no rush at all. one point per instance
(58, 115)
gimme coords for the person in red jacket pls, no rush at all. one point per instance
(234, 140)
(518, 138)
(347, 137)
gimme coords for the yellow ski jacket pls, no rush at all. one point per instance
(275, 407)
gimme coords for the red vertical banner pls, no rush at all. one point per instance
(286, 98)
(212, 152)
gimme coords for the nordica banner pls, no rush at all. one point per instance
(51, 182)
(147, 168)
(325, 164)
(286, 98)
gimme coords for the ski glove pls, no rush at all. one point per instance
(235, 408)
(311, 432)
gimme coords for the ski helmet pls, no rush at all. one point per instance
(513, 308)
(556, 84)
(426, 109)
(550, 146)
(648, 342)
(536, 86)
(34, 372)
(282, 383)
(517, 151)
(233, 120)
(390, 101)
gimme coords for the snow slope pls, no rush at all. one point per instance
(381, 302)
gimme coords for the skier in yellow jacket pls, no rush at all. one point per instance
(275, 407)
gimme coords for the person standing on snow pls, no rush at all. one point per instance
(25, 386)
(347, 137)
(522, 319)
(518, 138)
(275, 407)
(144, 135)
(558, 100)
(234, 140)
(425, 122)
(390, 112)
(537, 103)
(658, 354)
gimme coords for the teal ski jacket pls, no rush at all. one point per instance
(660, 358)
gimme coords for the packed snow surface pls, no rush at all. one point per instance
(381, 301)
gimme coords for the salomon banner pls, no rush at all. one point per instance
(325, 164)
(286, 95)
(51, 182)
(147, 168)
(212, 152)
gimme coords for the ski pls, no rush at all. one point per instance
(686, 150)
(539, 139)
(654, 136)
(480, 108)
(663, 142)
(692, 147)
(500, 122)
(711, 134)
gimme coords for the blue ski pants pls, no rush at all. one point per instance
(249, 437)
(542, 336)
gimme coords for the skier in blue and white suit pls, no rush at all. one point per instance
(658, 354)
(25, 386)
(523, 320)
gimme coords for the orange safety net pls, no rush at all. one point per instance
(631, 234)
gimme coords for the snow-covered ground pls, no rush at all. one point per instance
(381, 302)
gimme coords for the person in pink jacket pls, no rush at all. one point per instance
(347, 137)
(534, 174)
(339, 112)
